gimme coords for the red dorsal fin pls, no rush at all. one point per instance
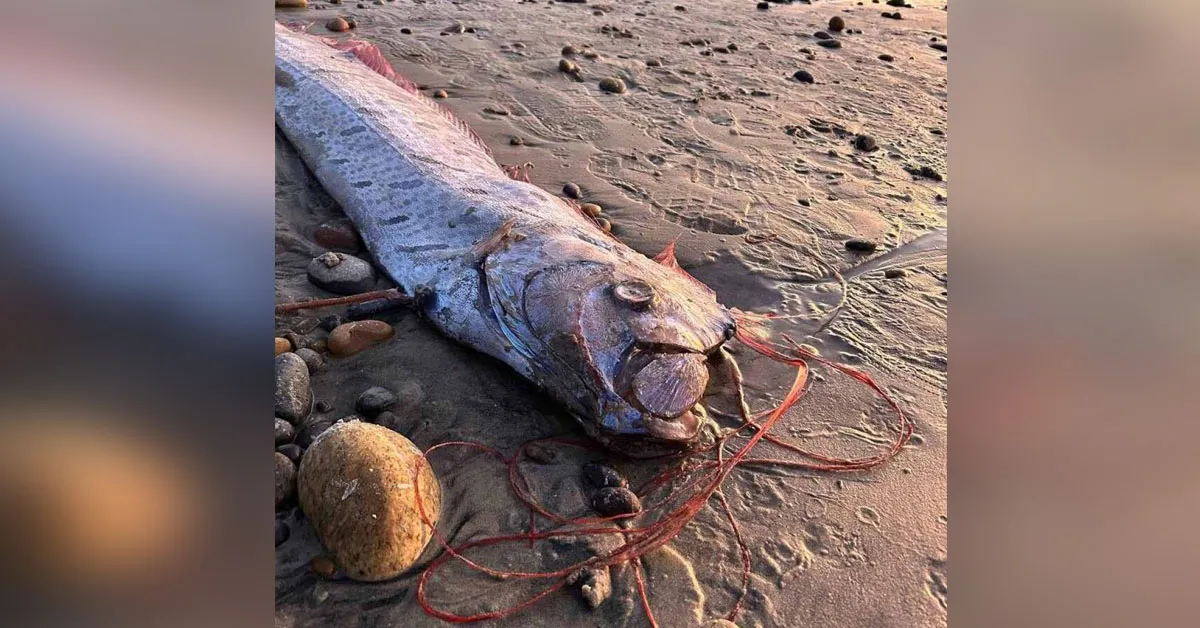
(667, 258)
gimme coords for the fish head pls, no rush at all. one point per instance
(628, 346)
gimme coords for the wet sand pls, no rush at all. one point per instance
(720, 149)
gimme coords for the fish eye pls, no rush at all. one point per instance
(635, 293)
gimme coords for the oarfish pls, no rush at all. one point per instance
(622, 340)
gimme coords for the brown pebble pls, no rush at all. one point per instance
(611, 501)
(285, 479)
(282, 345)
(894, 273)
(612, 85)
(441, 93)
(861, 246)
(357, 488)
(568, 66)
(323, 567)
(604, 224)
(568, 51)
(591, 54)
(338, 25)
(338, 235)
(836, 23)
(350, 338)
(653, 63)
(291, 4)
(829, 43)
(572, 191)
(591, 209)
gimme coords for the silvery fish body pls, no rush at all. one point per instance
(512, 271)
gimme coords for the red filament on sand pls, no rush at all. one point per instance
(677, 509)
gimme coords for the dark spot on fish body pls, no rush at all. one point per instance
(339, 161)
(362, 184)
(394, 220)
(354, 130)
(283, 78)
(411, 184)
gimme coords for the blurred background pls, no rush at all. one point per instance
(136, 257)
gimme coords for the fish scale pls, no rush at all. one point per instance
(426, 195)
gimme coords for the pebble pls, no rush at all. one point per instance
(312, 359)
(341, 273)
(604, 224)
(496, 110)
(329, 323)
(454, 29)
(865, 143)
(374, 400)
(291, 4)
(284, 432)
(516, 141)
(568, 66)
(350, 338)
(282, 533)
(611, 501)
(338, 235)
(406, 31)
(323, 567)
(292, 451)
(285, 479)
(763, 6)
(894, 273)
(895, 3)
(311, 429)
(293, 396)
(888, 58)
(569, 51)
(356, 487)
(829, 43)
(836, 23)
(940, 46)
(441, 93)
(924, 171)
(804, 76)
(282, 345)
(322, 407)
(599, 475)
(894, 16)
(338, 25)
(859, 245)
(591, 54)
(822, 35)
(612, 85)
(571, 190)
(591, 209)
(595, 585)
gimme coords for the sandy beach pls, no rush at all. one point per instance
(763, 178)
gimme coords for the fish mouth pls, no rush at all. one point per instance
(657, 399)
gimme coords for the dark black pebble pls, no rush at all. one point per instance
(284, 432)
(406, 31)
(282, 532)
(940, 46)
(311, 429)
(374, 400)
(599, 475)
(894, 273)
(894, 16)
(865, 143)
(804, 201)
(896, 3)
(861, 246)
(571, 190)
(329, 323)
(322, 406)
(888, 58)
(804, 76)
(763, 6)
(611, 501)
(829, 43)
(292, 451)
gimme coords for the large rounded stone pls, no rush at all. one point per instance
(356, 487)
(285, 479)
(293, 395)
(341, 273)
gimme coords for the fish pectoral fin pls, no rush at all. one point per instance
(493, 242)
